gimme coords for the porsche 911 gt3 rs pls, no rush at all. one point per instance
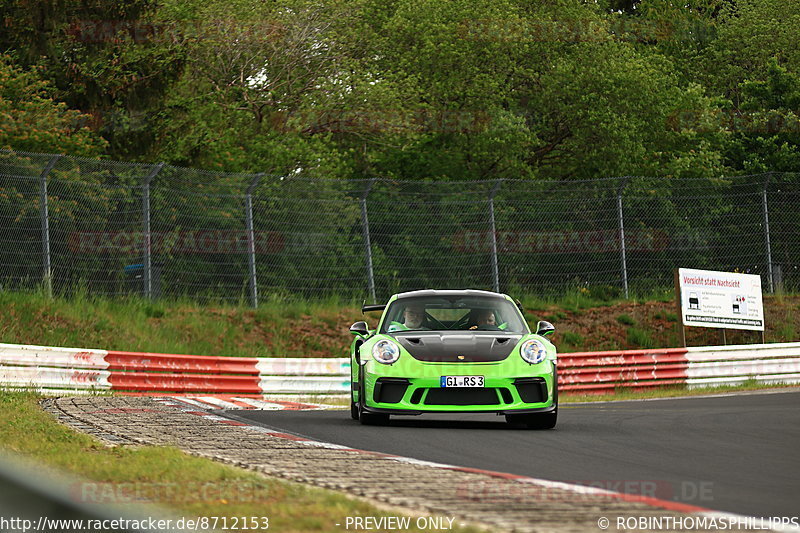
(453, 351)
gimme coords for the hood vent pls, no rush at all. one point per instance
(461, 347)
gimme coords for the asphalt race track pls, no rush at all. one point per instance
(738, 453)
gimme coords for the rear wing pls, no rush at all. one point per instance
(372, 307)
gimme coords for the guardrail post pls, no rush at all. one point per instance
(148, 252)
(367, 244)
(766, 232)
(621, 220)
(495, 268)
(44, 213)
(251, 241)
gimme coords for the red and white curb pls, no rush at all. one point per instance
(232, 402)
(579, 490)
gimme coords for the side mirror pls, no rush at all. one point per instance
(544, 328)
(359, 328)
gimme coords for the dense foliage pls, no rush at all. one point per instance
(409, 89)
(561, 99)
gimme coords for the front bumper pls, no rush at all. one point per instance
(509, 388)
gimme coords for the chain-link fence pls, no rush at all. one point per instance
(115, 228)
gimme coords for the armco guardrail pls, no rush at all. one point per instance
(732, 365)
(695, 367)
(605, 371)
(71, 369)
(51, 368)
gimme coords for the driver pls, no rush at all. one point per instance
(413, 316)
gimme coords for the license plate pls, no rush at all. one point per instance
(462, 381)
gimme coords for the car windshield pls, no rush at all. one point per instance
(466, 313)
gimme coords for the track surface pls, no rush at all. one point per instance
(738, 453)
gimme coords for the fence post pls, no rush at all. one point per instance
(367, 244)
(148, 259)
(251, 240)
(495, 268)
(621, 220)
(766, 232)
(44, 213)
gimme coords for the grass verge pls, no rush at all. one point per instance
(191, 486)
(276, 328)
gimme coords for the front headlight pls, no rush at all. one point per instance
(533, 351)
(386, 352)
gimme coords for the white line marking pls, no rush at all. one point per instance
(218, 402)
(192, 403)
(260, 405)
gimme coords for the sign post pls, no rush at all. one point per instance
(681, 326)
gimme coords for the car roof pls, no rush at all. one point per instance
(449, 293)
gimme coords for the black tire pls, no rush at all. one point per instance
(353, 403)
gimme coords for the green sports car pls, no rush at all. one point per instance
(453, 351)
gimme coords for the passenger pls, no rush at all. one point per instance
(483, 319)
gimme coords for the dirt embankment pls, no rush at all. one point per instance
(622, 325)
(322, 331)
(631, 325)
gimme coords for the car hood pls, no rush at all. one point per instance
(460, 347)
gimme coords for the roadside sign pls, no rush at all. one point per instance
(720, 299)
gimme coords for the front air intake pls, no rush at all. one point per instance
(461, 396)
(531, 390)
(390, 390)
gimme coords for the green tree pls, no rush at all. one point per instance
(113, 60)
(766, 126)
(754, 64)
(31, 120)
(256, 87)
(561, 95)
(749, 35)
